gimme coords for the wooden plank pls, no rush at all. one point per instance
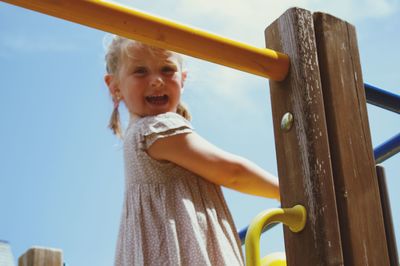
(387, 216)
(40, 256)
(303, 152)
(357, 193)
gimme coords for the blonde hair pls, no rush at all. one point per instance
(116, 52)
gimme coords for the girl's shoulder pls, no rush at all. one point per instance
(148, 129)
(162, 122)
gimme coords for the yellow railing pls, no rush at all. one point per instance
(133, 24)
(294, 218)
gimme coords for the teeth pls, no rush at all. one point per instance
(157, 96)
(157, 99)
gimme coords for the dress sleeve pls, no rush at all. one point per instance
(162, 126)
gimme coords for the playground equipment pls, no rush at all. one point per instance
(325, 158)
(39, 256)
(294, 218)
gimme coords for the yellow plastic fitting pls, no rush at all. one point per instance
(274, 259)
(294, 218)
(167, 34)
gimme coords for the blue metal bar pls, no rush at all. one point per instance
(382, 98)
(242, 234)
(387, 149)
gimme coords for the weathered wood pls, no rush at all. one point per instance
(39, 256)
(387, 216)
(356, 186)
(303, 152)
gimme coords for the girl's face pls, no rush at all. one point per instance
(150, 81)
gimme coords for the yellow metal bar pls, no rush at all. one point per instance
(133, 24)
(294, 218)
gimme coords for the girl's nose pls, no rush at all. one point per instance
(156, 82)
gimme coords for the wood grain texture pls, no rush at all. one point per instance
(303, 154)
(39, 256)
(353, 164)
(387, 216)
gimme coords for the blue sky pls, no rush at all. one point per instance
(61, 174)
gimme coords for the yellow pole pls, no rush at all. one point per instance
(294, 218)
(133, 24)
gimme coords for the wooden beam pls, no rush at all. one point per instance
(303, 155)
(387, 216)
(39, 256)
(356, 185)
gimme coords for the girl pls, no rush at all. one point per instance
(174, 211)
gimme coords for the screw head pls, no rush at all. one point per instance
(287, 121)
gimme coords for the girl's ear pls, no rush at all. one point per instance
(109, 79)
(183, 79)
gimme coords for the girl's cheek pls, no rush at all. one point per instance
(176, 78)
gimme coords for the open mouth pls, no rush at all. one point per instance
(157, 99)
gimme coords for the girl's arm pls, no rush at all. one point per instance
(201, 157)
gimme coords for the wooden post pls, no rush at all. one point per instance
(39, 256)
(302, 149)
(387, 216)
(353, 164)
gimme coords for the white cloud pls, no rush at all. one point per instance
(246, 20)
(357, 10)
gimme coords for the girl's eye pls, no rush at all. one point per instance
(140, 71)
(168, 70)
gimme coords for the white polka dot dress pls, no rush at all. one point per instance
(170, 216)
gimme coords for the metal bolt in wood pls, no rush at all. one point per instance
(287, 121)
